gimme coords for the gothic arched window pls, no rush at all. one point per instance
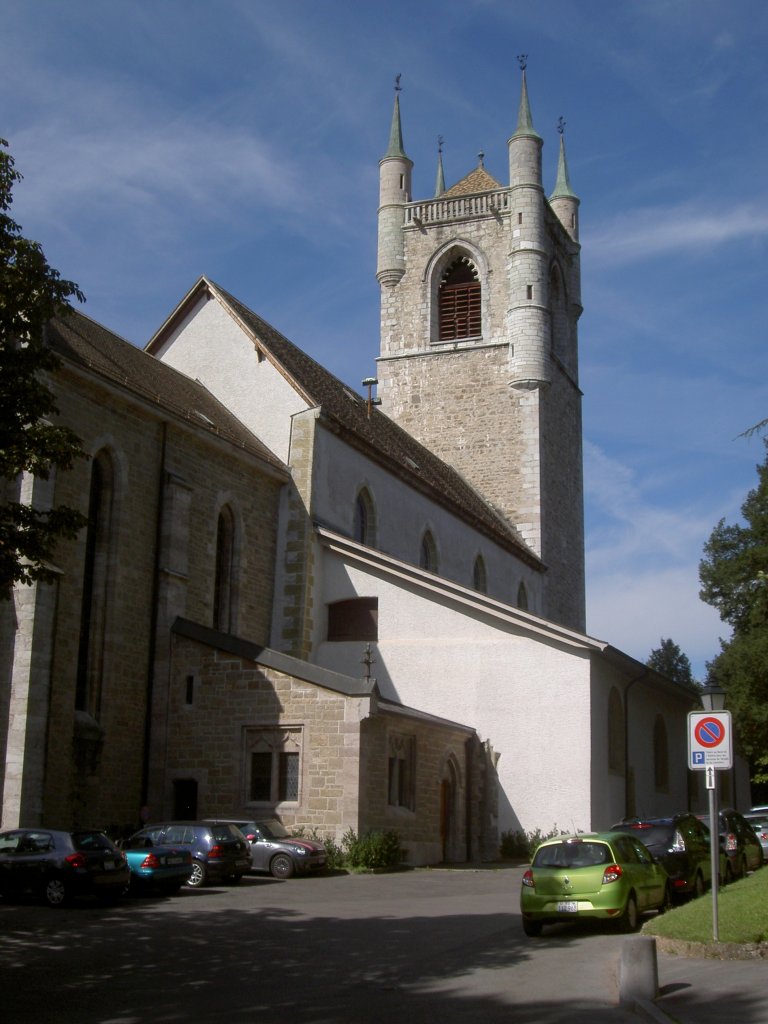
(365, 518)
(428, 553)
(224, 580)
(459, 301)
(98, 542)
(660, 754)
(615, 732)
(479, 576)
(522, 597)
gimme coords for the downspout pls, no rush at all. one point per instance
(154, 615)
(627, 688)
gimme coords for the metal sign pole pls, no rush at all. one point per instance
(714, 847)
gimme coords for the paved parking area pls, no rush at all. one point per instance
(414, 947)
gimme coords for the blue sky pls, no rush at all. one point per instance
(240, 139)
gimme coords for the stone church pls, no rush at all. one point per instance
(344, 609)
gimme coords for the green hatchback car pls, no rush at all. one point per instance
(603, 875)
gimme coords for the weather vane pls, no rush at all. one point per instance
(440, 141)
(561, 122)
(523, 60)
(398, 87)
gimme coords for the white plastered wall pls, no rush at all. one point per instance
(209, 346)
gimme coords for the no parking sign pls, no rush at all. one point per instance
(709, 739)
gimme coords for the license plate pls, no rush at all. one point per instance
(174, 860)
(109, 865)
(568, 907)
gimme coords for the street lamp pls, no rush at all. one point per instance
(712, 697)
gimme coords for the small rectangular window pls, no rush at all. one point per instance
(288, 788)
(529, 291)
(190, 690)
(519, 218)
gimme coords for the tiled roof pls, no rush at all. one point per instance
(478, 180)
(86, 343)
(378, 434)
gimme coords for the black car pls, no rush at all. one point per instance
(275, 850)
(219, 850)
(61, 865)
(740, 842)
(681, 844)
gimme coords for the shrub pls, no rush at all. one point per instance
(373, 850)
(519, 844)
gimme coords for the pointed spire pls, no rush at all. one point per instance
(563, 188)
(524, 119)
(395, 147)
(440, 180)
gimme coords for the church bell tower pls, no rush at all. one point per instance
(480, 300)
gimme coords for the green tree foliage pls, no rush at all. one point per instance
(670, 661)
(31, 293)
(734, 578)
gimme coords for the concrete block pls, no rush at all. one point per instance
(638, 970)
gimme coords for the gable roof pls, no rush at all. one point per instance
(80, 340)
(347, 412)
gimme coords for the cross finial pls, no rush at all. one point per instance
(440, 141)
(398, 87)
(561, 122)
(480, 158)
(522, 59)
(368, 660)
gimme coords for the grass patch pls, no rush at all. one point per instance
(741, 912)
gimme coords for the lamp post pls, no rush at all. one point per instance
(713, 699)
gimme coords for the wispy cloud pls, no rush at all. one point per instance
(651, 231)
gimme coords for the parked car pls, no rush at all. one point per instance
(681, 844)
(219, 850)
(155, 867)
(59, 865)
(759, 822)
(603, 875)
(739, 842)
(275, 850)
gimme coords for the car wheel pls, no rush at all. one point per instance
(56, 892)
(197, 875)
(698, 885)
(532, 928)
(630, 919)
(281, 866)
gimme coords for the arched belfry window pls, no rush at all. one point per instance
(428, 552)
(459, 301)
(365, 518)
(660, 754)
(96, 584)
(224, 580)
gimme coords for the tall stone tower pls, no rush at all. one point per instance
(480, 300)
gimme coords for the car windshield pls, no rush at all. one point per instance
(572, 855)
(651, 835)
(273, 830)
(91, 841)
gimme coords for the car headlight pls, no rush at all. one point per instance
(299, 850)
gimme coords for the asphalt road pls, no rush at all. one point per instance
(412, 947)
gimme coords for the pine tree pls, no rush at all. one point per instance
(670, 661)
